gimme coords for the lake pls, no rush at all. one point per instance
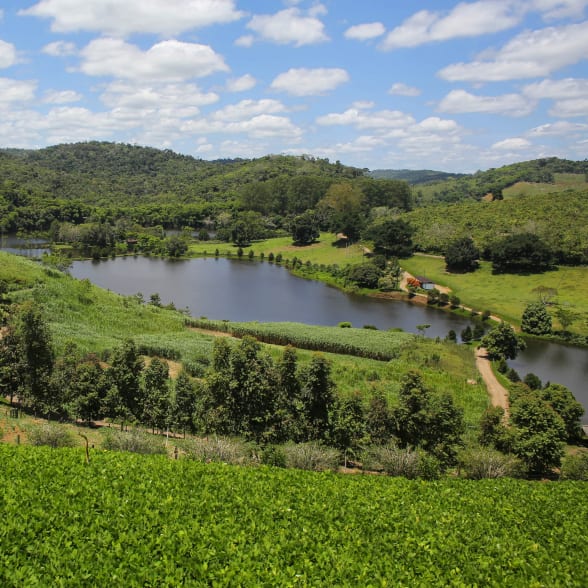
(242, 290)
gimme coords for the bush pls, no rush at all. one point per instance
(408, 463)
(311, 456)
(221, 449)
(52, 436)
(575, 467)
(133, 441)
(477, 464)
(536, 320)
(273, 455)
(345, 325)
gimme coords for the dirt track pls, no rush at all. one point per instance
(498, 393)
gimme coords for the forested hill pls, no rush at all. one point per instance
(414, 176)
(98, 172)
(492, 182)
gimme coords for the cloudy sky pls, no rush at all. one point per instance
(439, 84)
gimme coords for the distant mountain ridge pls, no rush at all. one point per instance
(414, 176)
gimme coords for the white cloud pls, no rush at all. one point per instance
(7, 54)
(168, 60)
(247, 109)
(242, 84)
(465, 20)
(555, 9)
(364, 32)
(559, 128)
(380, 120)
(363, 104)
(400, 89)
(288, 26)
(61, 96)
(460, 101)
(121, 18)
(16, 91)
(60, 49)
(261, 126)
(570, 95)
(245, 41)
(309, 82)
(178, 98)
(512, 144)
(529, 54)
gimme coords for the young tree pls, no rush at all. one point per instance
(348, 428)
(379, 422)
(184, 404)
(317, 396)
(566, 316)
(125, 374)
(566, 406)
(156, 403)
(501, 342)
(462, 255)
(536, 320)
(304, 228)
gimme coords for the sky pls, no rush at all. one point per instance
(444, 85)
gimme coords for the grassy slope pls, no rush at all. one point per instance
(506, 294)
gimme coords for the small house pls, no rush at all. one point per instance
(425, 283)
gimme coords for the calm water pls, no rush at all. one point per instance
(249, 291)
(28, 247)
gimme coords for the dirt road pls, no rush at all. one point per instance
(498, 393)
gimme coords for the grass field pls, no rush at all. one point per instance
(321, 252)
(507, 294)
(561, 183)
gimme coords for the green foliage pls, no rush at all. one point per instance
(133, 441)
(536, 320)
(481, 463)
(521, 252)
(575, 467)
(311, 457)
(462, 255)
(566, 406)
(156, 522)
(501, 342)
(365, 275)
(406, 462)
(305, 228)
(391, 236)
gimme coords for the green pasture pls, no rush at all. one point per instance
(323, 251)
(561, 183)
(507, 294)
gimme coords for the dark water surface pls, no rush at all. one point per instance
(252, 291)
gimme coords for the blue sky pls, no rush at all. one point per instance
(456, 86)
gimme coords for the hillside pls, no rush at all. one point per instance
(496, 180)
(414, 177)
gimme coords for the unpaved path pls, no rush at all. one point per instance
(498, 393)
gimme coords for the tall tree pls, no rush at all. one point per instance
(502, 342)
(536, 320)
(462, 255)
(317, 396)
(125, 373)
(343, 204)
(156, 403)
(184, 404)
(391, 236)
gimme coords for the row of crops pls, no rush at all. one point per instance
(151, 521)
(381, 345)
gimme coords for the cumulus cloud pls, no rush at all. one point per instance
(381, 120)
(16, 91)
(178, 98)
(309, 82)
(61, 96)
(364, 32)
(465, 20)
(288, 26)
(559, 128)
(570, 96)
(261, 126)
(60, 49)
(460, 101)
(400, 89)
(529, 54)
(122, 18)
(555, 9)
(247, 109)
(168, 60)
(7, 54)
(512, 144)
(242, 84)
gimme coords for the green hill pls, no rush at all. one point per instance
(414, 177)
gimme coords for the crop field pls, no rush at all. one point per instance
(507, 294)
(383, 345)
(151, 521)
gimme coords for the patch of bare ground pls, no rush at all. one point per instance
(497, 392)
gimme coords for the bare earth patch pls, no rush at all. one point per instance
(498, 393)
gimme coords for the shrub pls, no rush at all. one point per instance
(408, 463)
(575, 467)
(52, 436)
(311, 456)
(133, 441)
(536, 320)
(273, 455)
(220, 449)
(345, 325)
(477, 464)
